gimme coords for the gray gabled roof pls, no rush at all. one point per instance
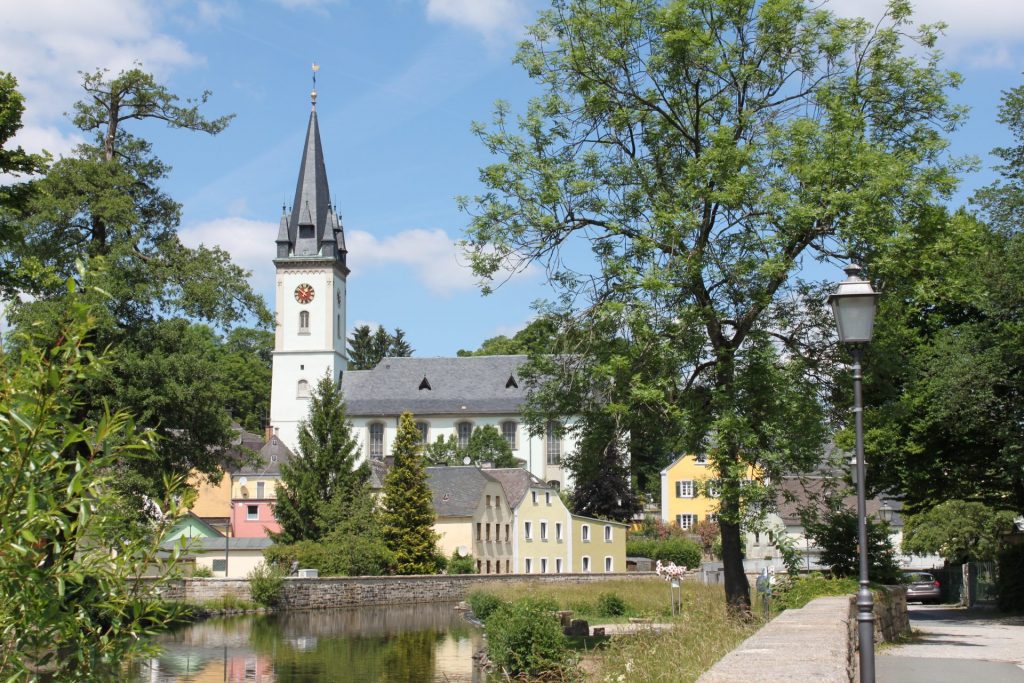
(456, 491)
(472, 385)
(199, 545)
(271, 456)
(517, 481)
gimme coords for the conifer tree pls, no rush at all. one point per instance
(321, 486)
(407, 517)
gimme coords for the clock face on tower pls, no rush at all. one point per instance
(304, 293)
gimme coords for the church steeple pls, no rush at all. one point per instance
(313, 228)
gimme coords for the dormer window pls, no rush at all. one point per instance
(425, 384)
(511, 383)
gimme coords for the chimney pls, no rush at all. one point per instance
(267, 433)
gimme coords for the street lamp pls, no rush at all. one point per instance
(854, 303)
(885, 512)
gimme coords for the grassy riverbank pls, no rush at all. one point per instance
(698, 637)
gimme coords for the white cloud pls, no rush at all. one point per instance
(246, 240)
(979, 33)
(306, 4)
(436, 260)
(492, 18)
(45, 43)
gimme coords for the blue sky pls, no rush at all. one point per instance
(400, 82)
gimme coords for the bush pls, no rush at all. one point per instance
(798, 592)
(352, 556)
(610, 605)
(201, 571)
(679, 551)
(524, 638)
(459, 564)
(265, 585)
(483, 604)
(1010, 581)
(641, 547)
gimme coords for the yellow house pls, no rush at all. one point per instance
(599, 545)
(472, 517)
(688, 492)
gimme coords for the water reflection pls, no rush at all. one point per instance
(414, 644)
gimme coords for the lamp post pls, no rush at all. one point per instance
(854, 303)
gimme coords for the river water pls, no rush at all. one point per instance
(409, 644)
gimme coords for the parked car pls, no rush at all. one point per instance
(922, 586)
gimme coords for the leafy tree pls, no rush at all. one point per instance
(602, 484)
(959, 531)
(246, 363)
(443, 451)
(69, 600)
(835, 534)
(103, 204)
(702, 151)
(366, 347)
(407, 512)
(486, 445)
(538, 337)
(322, 487)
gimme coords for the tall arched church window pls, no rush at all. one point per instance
(303, 322)
(376, 441)
(464, 430)
(554, 443)
(424, 429)
(302, 390)
(508, 430)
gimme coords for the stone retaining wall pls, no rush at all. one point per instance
(372, 590)
(815, 643)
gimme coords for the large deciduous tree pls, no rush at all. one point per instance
(407, 510)
(959, 531)
(322, 487)
(104, 205)
(685, 162)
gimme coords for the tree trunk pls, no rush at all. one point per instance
(737, 588)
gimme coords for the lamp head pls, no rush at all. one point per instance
(854, 303)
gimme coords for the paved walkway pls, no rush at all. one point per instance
(956, 646)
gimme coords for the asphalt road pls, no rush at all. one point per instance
(954, 645)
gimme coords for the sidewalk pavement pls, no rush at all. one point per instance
(955, 645)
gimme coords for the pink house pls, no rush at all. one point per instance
(254, 489)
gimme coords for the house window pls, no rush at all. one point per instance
(543, 565)
(528, 530)
(509, 431)
(684, 489)
(585, 533)
(302, 389)
(424, 429)
(607, 533)
(558, 531)
(533, 497)
(497, 566)
(252, 512)
(508, 566)
(555, 484)
(543, 531)
(686, 521)
(554, 444)
(608, 565)
(497, 533)
(712, 517)
(547, 498)
(487, 531)
(506, 533)
(586, 564)
(261, 489)
(701, 458)
(488, 501)
(303, 322)
(488, 566)
(464, 430)
(376, 440)
(479, 566)
(528, 565)
(497, 501)
(220, 566)
(478, 525)
(713, 488)
(558, 565)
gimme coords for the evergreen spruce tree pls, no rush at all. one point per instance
(407, 516)
(321, 487)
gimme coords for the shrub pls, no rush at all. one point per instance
(679, 551)
(265, 585)
(641, 547)
(201, 571)
(798, 592)
(483, 604)
(459, 564)
(524, 638)
(610, 605)
(351, 556)
(1010, 581)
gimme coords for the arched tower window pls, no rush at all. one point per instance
(302, 390)
(303, 322)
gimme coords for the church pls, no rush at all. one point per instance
(448, 396)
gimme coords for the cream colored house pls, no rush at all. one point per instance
(599, 545)
(542, 524)
(473, 517)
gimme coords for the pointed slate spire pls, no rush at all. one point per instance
(284, 243)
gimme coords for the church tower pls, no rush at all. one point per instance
(310, 294)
